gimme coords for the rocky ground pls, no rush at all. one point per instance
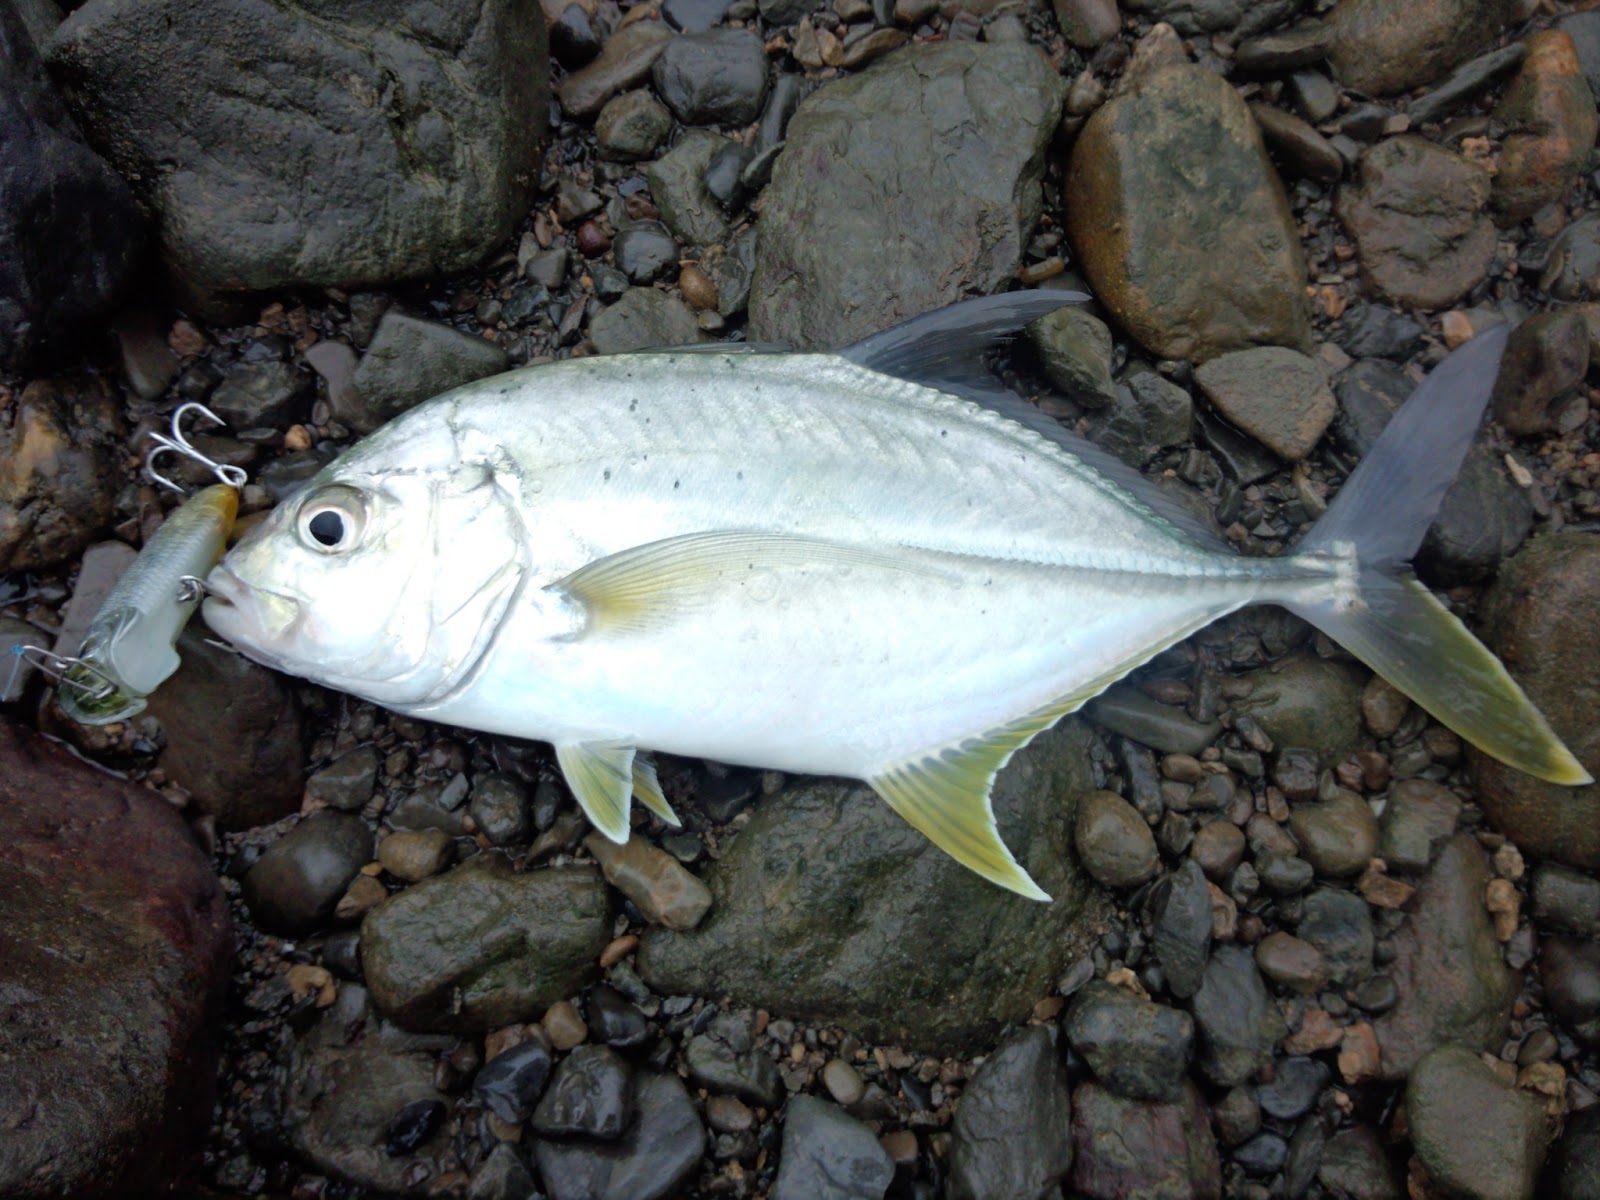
(1305, 943)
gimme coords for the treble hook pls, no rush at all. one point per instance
(226, 473)
(56, 667)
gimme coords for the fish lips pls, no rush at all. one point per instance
(254, 620)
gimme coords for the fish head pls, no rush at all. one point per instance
(382, 581)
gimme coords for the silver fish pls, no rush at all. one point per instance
(875, 563)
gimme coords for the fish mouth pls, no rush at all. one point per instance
(251, 618)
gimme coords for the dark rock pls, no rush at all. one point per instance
(829, 1155)
(731, 269)
(1454, 984)
(1237, 1116)
(1263, 1154)
(1300, 45)
(1479, 1137)
(435, 123)
(1124, 1148)
(60, 468)
(590, 1095)
(294, 886)
(678, 185)
(652, 1160)
(1544, 364)
(624, 63)
(1242, 17)
(1314, 95)
(1339, 925)
(1308, 703)
(483, 946)
(1420, 816)
(70, 225)
(1279, 397)
(411, 360)
(1074, 348)
(574, 43)
(1166, 728)
(1338, 836)
(114, 960)
(1296, 1083)
(412, 1126)
(1387, 46)
(1113, 842)
(235, 738)
(512, 1082)
(502, 1175)
(613, 1019)
(1147, 415)
(694, 16)
(1088, 23)
(1572, 268)
(1180, 908)
(632, 126)
(645, 251)
(1011, 1133)
(1354, 1163)
(1567, 899)
(1549, 115)
(1292, 962)
(1377, 331)
(849, 245)
(644, 318)
(1238, 1023)
(347, 782)
(256, 395)
(1417, 216)
(1139, 216)
(827, 906)
(1466, 82)
(1535, 619)
(1298, 144)
(1136, 1048)
(1574, 1171)
(724, 176)
(718, 77)
(725, 1059)
(1570, 973)
(499, 807)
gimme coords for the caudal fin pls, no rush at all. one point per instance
(1378, 611)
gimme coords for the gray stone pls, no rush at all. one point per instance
(1575, 1163)
(1136, 1048)
(1339, 925)
(1239, 1025)
(590, 1095)
(1479, 1137)
(644, 318)
(1387, 46)
(718, 77)
(1189, 17)
(1124, 1148)
(849, 243)
(1011, 1133)
(1545, 361)
(624, 63)
(1278, 396)
(1377, 331)
(678, 186)
(1567, 899)
(654, 1159)
(645, 251)
(483, 946)
(1308, 703)
(499, 807)
(726, 1059)
(1088, 24)
(1572, 268)
(1569, 970)
(1465, 82)
(1454, 983)
(1338, 836)
(257, 395)
(1180, 907)
(1298, 145)
(829, 907)
(1166, 728)
(501, 1176)
(294, 886)
(1548, 113)
(1147, 414)
(632, 126)
(1419, 817)
(1292, 962)
(1295, 1085)
(1113, 842)
(434, 122)
(347, 782)
(411, 360)
(1074, 348)
(1354, 1163)
(1143, 214)
(829, 1155)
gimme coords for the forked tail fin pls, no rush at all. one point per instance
(1375, 608)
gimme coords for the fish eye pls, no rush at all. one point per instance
(332, 519)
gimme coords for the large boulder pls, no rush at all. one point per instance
(114, 954)
(829, 907)
(903, 188)
(315, 144)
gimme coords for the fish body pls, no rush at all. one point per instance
(865, 564)
(127, 651)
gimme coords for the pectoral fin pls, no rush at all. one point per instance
(601, 776)
(645, 586)
(647, 789)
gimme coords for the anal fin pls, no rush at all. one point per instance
(601, 775)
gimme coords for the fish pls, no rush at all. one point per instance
(877, 563)
(128, 649)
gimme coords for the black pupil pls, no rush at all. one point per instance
(327, 527)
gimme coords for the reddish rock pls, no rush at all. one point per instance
(1551, 122)
(114, 952)
(1141, 1147)
(1544, 365)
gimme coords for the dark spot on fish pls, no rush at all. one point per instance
(739, 475)
(674, 485)
(607, 474)
(943, 432)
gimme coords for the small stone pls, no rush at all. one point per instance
(1296, 1083)
(654, 1159)
(294, 887)
(364, 894)
(1011, 1126)
(664, 890)
(590, 1095)
(729, 1114)
(1549, 116)
(1136, 1048)
(1218, 848)
(1292, 963)
(827, 1153)
(499, 808)
(512, 1082)
(632, 126)
(1382, 891)
(725, 1059)
(1544, 364)
(1386, 46)
(1298, 144)
(1126, 1147)
(1478, 1137)
(1238, 1023)
(698, 290)
(677, 184)
(1567, 899)
(347, 782)
(613, 1018)
(643, 319)
(1570, 973)
(1074, 347)
(1088, 24)
(644, 252)
(624, 62)
(1181, 910)
(1359, 1056)
(1339, 836)
(1113, 841)
(1419, 817)
(1383, 706)
(844, 1082)
(565, 1025)
(1339, 925)
(415, 856)
(410, 360)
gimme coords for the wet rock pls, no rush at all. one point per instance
(1420, 816)
(1354, 1162)
(347, 782)
(483, 946)
(256, 395)
(1263, 1154)
(632, 126)
(1189, 17)
(411, 360)
(1166, 728)
(1567, 899)
(499, 808)
(71, 225)
(1549, 114)
(235, 737)
(828, 906)
(1147, 415)
(663, 890)
(1114, 843)
(653, 1159)
(829, 1155)
(1339, 925)
(966, 122)
(1141, 1147)
(678, 185)
(1338, 836)
(1535, 619)
(511, 1083)
(1136, 1048)
(1300, 45)
(1478, 1137)
(1074, 348)
(1295, 1085)
(574, 41)
(1417, 215)
(1219, 848)
(718, 77)
(502, 1175)
(726, 1059)
(60, 468)
(1088, 23)
(1308, 703)
(591, 1095)
(1238, 1023)
(1377, 331)
(1140, 187)
(1574, 1172)
(114, 960)
(1386, 46)
(434, 124)
(1298, 145)
(1279, 397)
(642, 319)
(294, 886)
(415, 855)
(694, 16)
(1466, 82)
(1011, 1128)
(1570, 973)
(1544, 364)
(613, 1019)
(1572, 268)
(1454, 985)
(645, 251)
(1180, 908)
(1291, 962)
(624, 63)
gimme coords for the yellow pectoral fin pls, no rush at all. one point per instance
(647, 790)
(601, 776)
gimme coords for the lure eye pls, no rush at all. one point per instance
(331, 521)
